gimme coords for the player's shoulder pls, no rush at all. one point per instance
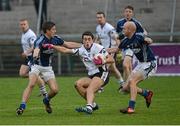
(96, 45)
(109, 27)
(124, 39)
(140, 36)
(98, 27)
(121, 21)
(136, 21)
(30, 33)
(40, 38)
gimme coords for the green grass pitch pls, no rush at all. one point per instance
(165, 107)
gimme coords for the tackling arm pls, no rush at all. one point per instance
(72, 45)
(112, 50)
(109, 59)
(62, 49)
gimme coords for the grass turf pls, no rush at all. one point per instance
(165, 108)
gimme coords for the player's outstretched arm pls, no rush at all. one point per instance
(109, 59)
(112, 50)
(62, 49)
(72, 45)
(36, 52)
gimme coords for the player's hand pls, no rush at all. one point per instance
(23, 55)
(35, 60)
(98, 61)
(49, 46)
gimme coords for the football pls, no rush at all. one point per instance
(99, 59)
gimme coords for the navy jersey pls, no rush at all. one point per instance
(121, 23)
(139, 47)
(45, 54)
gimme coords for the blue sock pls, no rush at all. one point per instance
(23, 105)
(132, 104)
(46, 100)
(144, 93)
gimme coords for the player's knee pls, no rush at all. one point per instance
(131, 83)
(78, 84)
(55, 91)
(31, 86)
(126, 66)
(90, 90)
(22, 74)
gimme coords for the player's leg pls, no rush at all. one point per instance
(95, 84)
(81, 86)
(147, 70)
(93, 87)
(53, 86)
(49, 77)
(134, 79)
(42, 86)
(117, 74)
(24, 70)
(141, 72)
(26, 93)
(127, 66)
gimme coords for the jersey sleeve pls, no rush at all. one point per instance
(57, 40)
(119, 29)
(75, 51)
(38, 41)
(103, 51)
(139, 27)
(31, 40)
(122, 44)
(113, 34)
(140, 37)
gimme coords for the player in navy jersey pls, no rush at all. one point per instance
(146, 66)
(128, 54)
(27, 42)
(98, 74)
(42, 65)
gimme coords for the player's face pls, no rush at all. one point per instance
(125, 30)
(52, 32)
(100, 19)
(24, 26)
(128, 14)
(87, 41)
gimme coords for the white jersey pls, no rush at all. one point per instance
(27, 41)
(87, 57)
(106, 35)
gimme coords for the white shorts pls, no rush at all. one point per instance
(127, 52)
(45, 72)
(146, 68)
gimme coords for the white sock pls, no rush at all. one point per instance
(120, 81)
(43, 90)
(94, 104)
(89, 106)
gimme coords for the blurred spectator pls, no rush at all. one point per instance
(5, 5)
(44, 10)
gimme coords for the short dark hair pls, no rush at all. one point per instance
(129, 7)
(88, 33)
(100, 12)
(47, 26)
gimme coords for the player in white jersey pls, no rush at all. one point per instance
(106, 35)
(27, 41)
(97, 70)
